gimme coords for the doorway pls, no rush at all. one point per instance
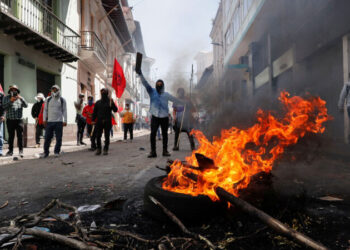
(44, 81)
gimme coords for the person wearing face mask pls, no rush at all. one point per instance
(40, 98)
(183, 119)
(80, 119)
(54, 119)
(128, 122)
(102, 119)
(87, 113)
(159, 111)
(13, 104)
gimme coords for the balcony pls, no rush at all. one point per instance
(34, 24)
(92, 52)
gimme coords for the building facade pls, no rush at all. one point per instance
(203, 60)
(39, 47)
(216, 36)
(300, 46)
(72, 44)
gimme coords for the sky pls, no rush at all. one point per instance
(174, 31)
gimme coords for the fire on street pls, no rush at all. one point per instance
(177, 124)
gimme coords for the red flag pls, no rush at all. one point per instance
(118, 82)
(1, 90)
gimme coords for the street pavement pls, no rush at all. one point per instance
(79, 177)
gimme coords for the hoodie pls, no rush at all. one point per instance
(159, 101)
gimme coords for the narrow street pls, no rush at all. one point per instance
(81, 178)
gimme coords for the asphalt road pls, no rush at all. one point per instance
(81, 178)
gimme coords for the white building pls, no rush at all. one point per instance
(39, 45)
(203, 60)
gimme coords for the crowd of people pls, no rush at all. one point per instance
(50, 114)
(98, 118)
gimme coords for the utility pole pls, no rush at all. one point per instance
(191, 81)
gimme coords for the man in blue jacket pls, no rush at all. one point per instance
(159, 111)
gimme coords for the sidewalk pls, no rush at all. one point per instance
(71, 146)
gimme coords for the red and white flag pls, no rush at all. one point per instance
(118, 82)
(1, 89)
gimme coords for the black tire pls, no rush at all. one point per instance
(185, 207)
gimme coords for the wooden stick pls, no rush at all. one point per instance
(268, 220)
(182, 122)
(52, 236)
(180, 224)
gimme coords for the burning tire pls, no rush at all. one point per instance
(185, 207)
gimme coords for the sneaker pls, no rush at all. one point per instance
(21, 153)
(152, 155)
(9, 153)
(98, 151)
(175, 148)
(166, 153)
(125, 141)
(82, 143)
(92, 149)
(78, 143)
(43, 155)
(37, 145)
(105, 152)
(57, 155)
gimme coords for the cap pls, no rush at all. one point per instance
(55, 87)
(40, 96)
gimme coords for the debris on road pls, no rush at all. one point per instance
(330, 198)
(116, 204)
(4, 205)
(88, 208)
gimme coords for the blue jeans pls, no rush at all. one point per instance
(51, 129)
(1, 136)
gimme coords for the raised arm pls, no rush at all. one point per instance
(146, 84)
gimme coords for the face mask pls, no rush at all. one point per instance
(54, 94)
(90, 102)
(159, 88)
(104, 95)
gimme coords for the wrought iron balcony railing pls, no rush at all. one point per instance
(39, 19)
(90, 41)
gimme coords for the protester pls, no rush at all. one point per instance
(2, 119)
(13, 104)
(80, 119)
(183, 119)
(87, 113)
(55, 118)
(103, 113)
(128, 122)
(159, 111)
(40, 98)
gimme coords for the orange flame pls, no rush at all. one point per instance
(239, 154)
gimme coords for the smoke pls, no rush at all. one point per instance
(179, 72)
